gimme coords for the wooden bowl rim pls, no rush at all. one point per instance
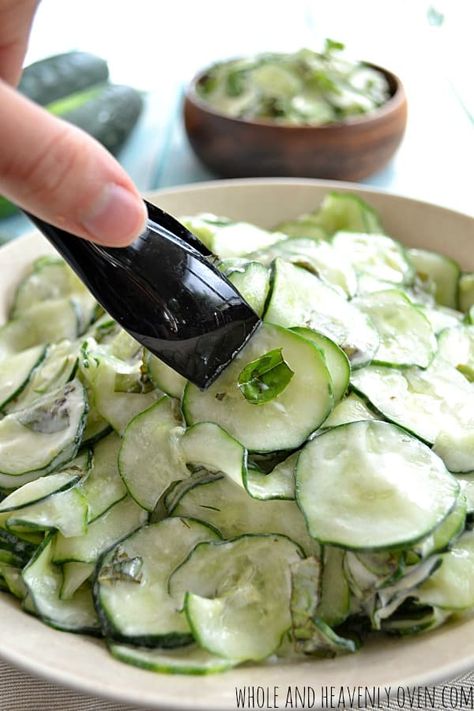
(396, 102)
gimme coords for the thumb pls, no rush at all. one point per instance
(60, 174)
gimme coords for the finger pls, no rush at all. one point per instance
(16, 17)
(62, 175)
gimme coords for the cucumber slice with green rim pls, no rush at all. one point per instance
(336, 360)
(65, 511)
(226, 506)
(371, 485)
(46, 322)
(187, 660)
(74, 575)
(325, 642)
(452, 585)
(118, 408)
(351, 409)
(277, 484)
(406, 336)
(103, 487)
(43, 581)
(435, 404)
(304, 227)
(150, 458)
(165, 378)
(253, 283)
(376, 255)
(131, 585)
(441, 271)
(441, 317)
(15, 372)
(50, 278)
(55, 370)
(236, 594)
(456, 346)
(118, 522)
(466, 291)
(208, 446)
(14, 580)
(447, 532)
(299, 298)
(230, 239)
(338, 211)
(318, 257)
(466, 482)
(38, 440)
(38, 490)
(282, 423)
(334, 604)
(411, 618)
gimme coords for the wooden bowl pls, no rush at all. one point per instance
(350, 150)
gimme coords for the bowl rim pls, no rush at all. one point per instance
(394, 103)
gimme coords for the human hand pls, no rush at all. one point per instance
(50, 168)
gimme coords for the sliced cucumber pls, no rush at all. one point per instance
(50, 279)
(441, 317)
(165, 378)
(230, 239)
(131, 587)
(103, 487)
(118, 522)
(187, 660)
(336, 360)
(447, 532)
(303, 227)
(298, 298)
(435, 404)
(277, 484)
(65, 511)
(117, 408)
(46, 322)
(282, 423)
(253, 282)
(452, 585)
(74, 576)
(43, 581)
(150, 458)
(456, 346)
(351, 409)
(466, 291)
(334, 604)
(376, 255)
(406, 336)
(55, 370)
(209, 446)
(226, 506)
(236, 594)
(439, 270)
(370, 485)
(38, 490)
(38, 440)
(318, 257)
(338, 211)
(15, 372)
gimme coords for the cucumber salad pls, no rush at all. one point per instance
(319, 492)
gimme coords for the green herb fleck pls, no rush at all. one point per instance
(265, 378)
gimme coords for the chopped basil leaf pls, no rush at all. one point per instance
(265, 378)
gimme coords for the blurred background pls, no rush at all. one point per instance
(157, 47)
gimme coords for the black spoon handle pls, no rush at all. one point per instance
(167, 292)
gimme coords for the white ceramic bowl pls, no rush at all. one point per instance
(83, 662)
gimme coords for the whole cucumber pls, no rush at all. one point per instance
(109, 115)
(52, 78)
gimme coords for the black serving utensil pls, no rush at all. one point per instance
(164, 289)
